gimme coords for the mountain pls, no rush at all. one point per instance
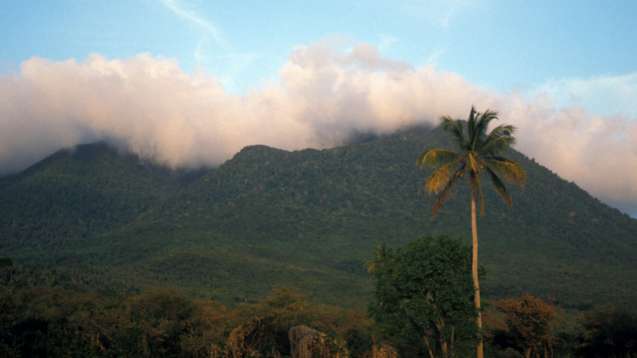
(308, 219)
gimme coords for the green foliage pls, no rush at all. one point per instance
(47, 314)
(291, 308)
(423, 294)
(38, 321)
(56, 314)
(5, 262)
(306, 219)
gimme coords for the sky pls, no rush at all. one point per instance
(188, 83)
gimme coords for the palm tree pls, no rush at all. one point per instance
(478, 152)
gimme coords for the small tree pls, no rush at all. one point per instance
(529, 324)
(423, 296)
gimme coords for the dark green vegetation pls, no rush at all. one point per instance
(307, 219)
(43, 320)
(44, 313)
(609, 333)
(423, 298)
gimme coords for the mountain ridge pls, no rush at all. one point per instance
(310, 219)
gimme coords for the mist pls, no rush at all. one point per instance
(322, 96)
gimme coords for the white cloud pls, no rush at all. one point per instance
(608, 95)
(213, 52)
(191, 16)
(323, 94)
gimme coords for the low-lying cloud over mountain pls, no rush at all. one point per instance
(323, 94)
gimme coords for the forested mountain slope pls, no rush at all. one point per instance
(308, 219)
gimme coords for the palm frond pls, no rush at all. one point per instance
(499, 139)
(479, 151)
(485, 119)
(502, 130)
(445, 193)
(499, 186)
(456, 129)
(510, 170)
(436, 156)
(440, 177)
(482, 124)
(471, 125)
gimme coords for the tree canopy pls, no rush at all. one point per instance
(423, 296)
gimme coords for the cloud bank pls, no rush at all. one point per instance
(323, 94)
(608, 94)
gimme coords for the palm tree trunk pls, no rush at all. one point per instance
(476, 279)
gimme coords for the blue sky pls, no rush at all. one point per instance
(310, 72)
(505, 45)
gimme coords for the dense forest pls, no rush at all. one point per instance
(275, 253)
(306, 220)
(48, 313)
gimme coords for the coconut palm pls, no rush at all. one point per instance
(478, 152)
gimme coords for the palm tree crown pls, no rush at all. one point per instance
(478, 152)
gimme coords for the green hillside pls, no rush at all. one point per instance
(78, 194)
(307, 219)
